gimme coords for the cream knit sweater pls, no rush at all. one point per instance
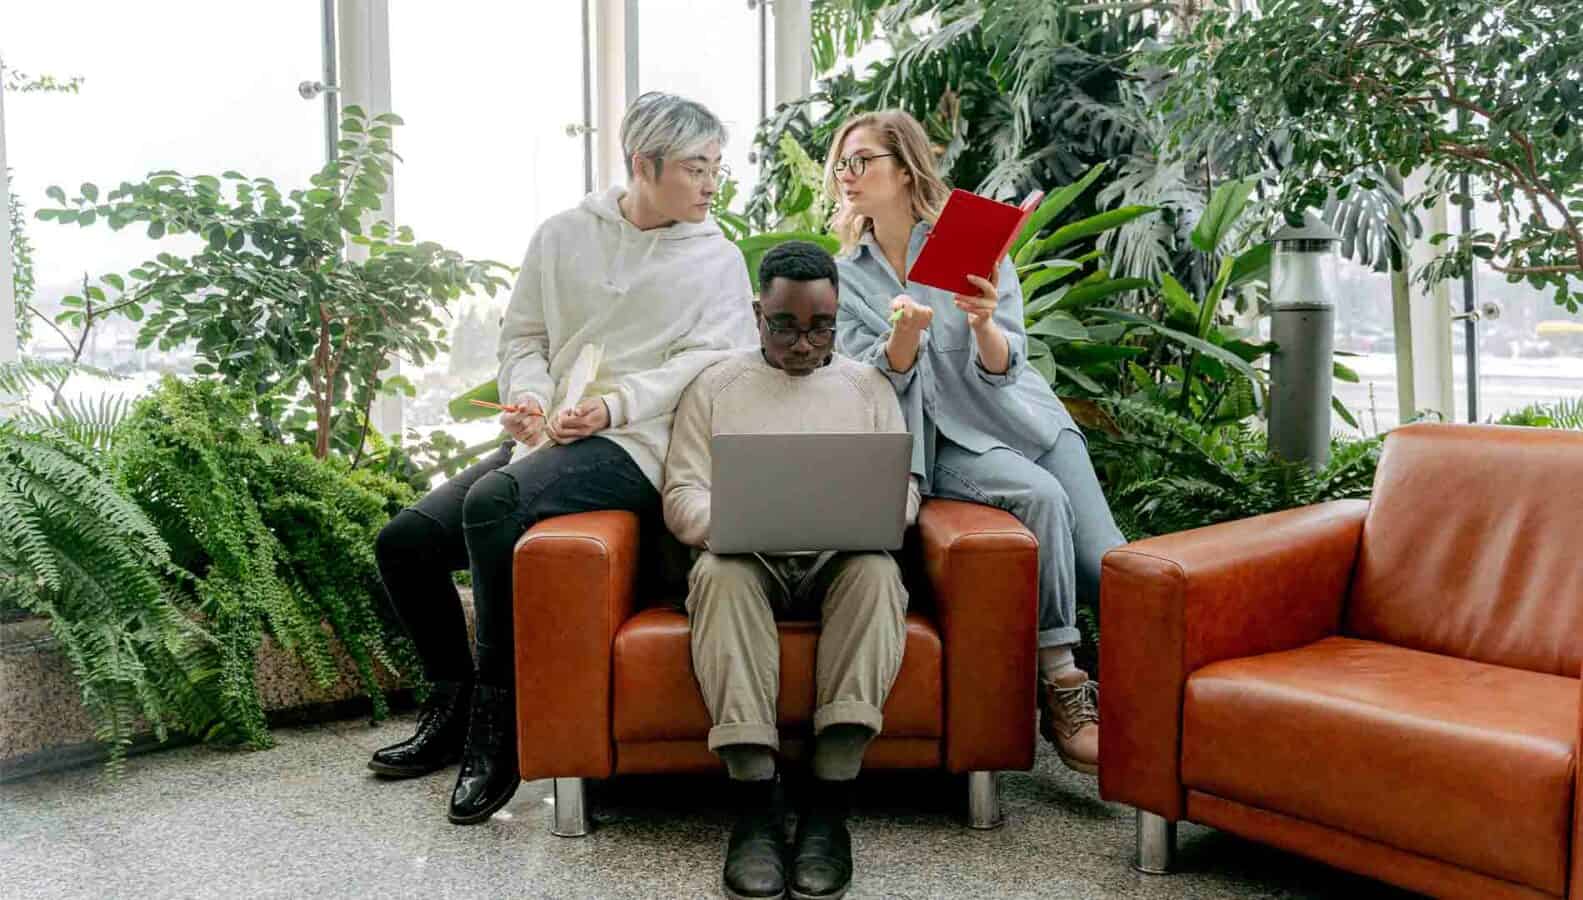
(664, 303)
(745, 395)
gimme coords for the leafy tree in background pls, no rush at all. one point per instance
(271, 298)
(1490, 89)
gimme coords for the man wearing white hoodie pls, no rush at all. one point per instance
(643, 273)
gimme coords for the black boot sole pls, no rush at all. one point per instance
(397, 773)
(484, 814)
(836, 895)
(726, 889)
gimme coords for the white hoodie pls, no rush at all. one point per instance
(665, 303)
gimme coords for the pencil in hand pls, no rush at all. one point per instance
(897, 314)
(502, 407)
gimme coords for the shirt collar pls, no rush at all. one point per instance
(869, 241)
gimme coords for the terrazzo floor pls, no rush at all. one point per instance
(306, 819)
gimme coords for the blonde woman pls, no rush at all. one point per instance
(986, 426)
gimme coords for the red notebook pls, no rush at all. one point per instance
(970, 238)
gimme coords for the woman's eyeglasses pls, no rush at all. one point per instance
(857, 164)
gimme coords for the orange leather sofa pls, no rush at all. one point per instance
(605, 684)
(1388, 686)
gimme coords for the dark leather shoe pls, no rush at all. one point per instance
(822, 849)
(488, 777)
(442, 730)
(755, 858)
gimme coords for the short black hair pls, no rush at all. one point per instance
(798, 261)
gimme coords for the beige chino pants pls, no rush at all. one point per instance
(733, 602)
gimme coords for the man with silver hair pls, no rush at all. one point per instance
(641, 274)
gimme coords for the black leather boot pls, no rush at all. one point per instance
(442, 730)
(755, 858)
(822, 849)
(488, 778)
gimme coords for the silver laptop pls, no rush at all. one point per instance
(779, 493)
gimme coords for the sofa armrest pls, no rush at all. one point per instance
(983, 566)
(1576, 878)
(1173, 604)
(574, 579)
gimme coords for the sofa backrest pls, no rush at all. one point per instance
(1473, 546)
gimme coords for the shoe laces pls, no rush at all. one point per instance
(1079, 706)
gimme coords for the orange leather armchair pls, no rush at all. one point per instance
(605, 684)
(1389, 686)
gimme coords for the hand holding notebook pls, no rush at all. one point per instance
(971, 237)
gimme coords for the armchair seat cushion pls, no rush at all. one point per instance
(657, 698)
(1460, 761)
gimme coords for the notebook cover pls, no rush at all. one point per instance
(970, 238)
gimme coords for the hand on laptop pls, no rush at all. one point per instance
(583, 420)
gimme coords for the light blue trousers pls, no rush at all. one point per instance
(1059, 499)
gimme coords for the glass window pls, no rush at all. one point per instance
(707, 50)
(1531, 353)
(486, 158)
(203, 88)
(1365, 329)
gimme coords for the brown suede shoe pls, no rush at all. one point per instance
(1069, 719)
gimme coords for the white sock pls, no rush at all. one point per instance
(1056, 661)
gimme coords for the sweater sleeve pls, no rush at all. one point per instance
(889, 420)
(688, 464)
(724, 324)
(524, 349)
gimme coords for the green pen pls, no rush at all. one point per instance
(896, 316)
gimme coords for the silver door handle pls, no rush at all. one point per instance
(577, 129)
(1488, 311)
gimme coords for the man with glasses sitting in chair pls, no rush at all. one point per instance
(792, 383)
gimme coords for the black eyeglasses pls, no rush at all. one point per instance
(858, 164)
(819, 336)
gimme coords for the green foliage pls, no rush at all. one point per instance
(1166, 473)
(1483, 88)
(89, 422)
(1172, 349)
(1016, 94)
(1566, 414)
(74, 549)
(21, 265)
(274, 540)
(271, 299)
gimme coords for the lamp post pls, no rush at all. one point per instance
(1302, 325)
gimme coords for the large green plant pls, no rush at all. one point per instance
(1167, 473)
(274, 540)
(1483, 88)
(75, 550)
(294, 296)
(1016, 94)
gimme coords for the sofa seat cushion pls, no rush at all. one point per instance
(1468, 763)
(657, 697)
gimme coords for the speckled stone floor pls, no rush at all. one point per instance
(306, 819)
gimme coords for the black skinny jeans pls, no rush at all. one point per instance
(474, 521)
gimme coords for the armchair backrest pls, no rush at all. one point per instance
(1472, 546)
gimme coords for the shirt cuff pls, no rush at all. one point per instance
(521, 397)
(900, 381)
(993, 379)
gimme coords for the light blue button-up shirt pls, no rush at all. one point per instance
(948, 391)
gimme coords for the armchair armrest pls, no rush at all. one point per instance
(574, 579)
(1576, 878)
(1173, 604)
(983, 566)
